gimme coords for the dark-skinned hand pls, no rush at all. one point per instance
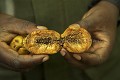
(101, 22)
(10, 27)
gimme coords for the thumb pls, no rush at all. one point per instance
(90, 22)
(41, 27)
(32, 27)
(19, 26)
(86, 24)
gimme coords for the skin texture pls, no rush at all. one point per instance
(10, 27)
(101, 22)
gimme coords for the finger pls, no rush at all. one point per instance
(67, 56)
(90, 12)
(95, 58)
(96, 54)
(28, 61)
(41, 27)
(11, 58)
(93, 22)
(29, 28)
(70, 58)
(20, 26)
(6, 37)
(23, 62)
(14, 69)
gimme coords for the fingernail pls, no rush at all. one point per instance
(41, 27)
(76, 56)
(45, 59)
(63, 53)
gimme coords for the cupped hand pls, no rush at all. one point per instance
(10, 27)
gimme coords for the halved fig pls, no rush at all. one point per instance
(76, 39)
(42, 42)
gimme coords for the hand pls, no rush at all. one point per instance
(101, 22)
(10, 27)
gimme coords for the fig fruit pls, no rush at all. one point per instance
(43, 42)
(17, 45)
(74, 39)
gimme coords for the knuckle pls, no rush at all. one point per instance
(85, 23)
(27, 24)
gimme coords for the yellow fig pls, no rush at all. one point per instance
(17, 45)
(76, 39)
(43, 42)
